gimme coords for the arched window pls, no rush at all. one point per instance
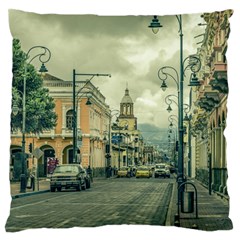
(69, 119)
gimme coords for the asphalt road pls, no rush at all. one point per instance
(108, 202)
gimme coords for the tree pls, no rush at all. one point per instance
(40, 105)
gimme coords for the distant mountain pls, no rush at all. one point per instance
(153, 134)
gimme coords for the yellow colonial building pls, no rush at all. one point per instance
(92, 122)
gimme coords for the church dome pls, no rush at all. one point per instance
(126, 98)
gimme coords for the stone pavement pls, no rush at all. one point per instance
(212, 209)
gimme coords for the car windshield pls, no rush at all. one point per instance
(142, 168)
(123, 168)
(160, 166)
(66, 169)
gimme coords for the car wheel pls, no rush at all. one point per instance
(52, 189)
(84, 186)
(88, 183)
(78, 188)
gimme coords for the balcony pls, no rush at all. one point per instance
(219, 81)
(209, 99)
(205, 104)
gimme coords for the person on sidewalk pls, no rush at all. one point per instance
(89, 172)
(109, 171)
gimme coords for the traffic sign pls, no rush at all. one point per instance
(37, 152)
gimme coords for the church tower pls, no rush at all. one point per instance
(126, 112)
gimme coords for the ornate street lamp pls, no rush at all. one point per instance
(195, 65)
(108, 138)
(92, 75)
(114, 113)
(155, 25)
(120, 127)
(43, 57)
(169, 101)
(78, 136)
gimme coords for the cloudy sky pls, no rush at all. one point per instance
(122, 46)
(126, 48)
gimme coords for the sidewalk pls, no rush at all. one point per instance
(43, 185)
(212, 211)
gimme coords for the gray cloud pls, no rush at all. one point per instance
(123, 46)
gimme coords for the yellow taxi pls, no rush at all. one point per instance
(143, 171)
(123, 172)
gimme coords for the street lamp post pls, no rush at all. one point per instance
(127, 135)
(92, 75)
(194, 65)
(119, 128)
(173, 129)
(113, 113)
(171, 132)
(189, 146)
(119, 159)
(187, 118)
(43, 69)
(88, 103)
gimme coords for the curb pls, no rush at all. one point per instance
(171, 207)
(29, 194)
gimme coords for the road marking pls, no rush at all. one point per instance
(34, 215)
(32, 204)
(64, 222)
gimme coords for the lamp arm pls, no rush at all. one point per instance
(170, 117)
(194, 64)
(40, 55)
(179, 19)
(170, 100)
(186, 108)
(164, 75)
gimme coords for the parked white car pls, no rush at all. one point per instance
(161, 170)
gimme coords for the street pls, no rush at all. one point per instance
(112, 201)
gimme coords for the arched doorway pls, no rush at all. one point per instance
(48, 151)
(15, 162)
(14, 151)
(68, 155)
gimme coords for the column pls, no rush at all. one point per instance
(63, 119)
(212, 156)
(78, 118)
(223, 187)
(217, 159)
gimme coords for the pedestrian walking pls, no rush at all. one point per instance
(89, 172)
(114, 170)
(109, 171)
(131, 172)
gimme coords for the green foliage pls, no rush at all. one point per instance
(40, 105)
